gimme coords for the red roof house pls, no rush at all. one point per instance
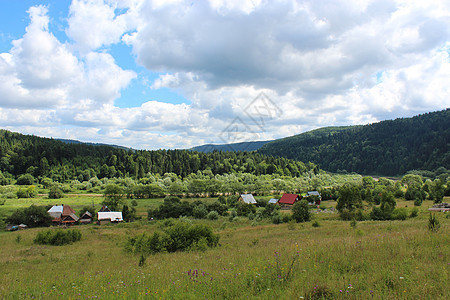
(289, 199)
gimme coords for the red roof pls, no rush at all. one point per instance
(288, 199)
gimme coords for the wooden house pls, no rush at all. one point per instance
(86, 218)
(63, 214)
(288, 200)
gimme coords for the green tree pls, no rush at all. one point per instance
(300, 211)
(33, 216)
(349, 198)
(55, 192)
(113, 196)
(25, 179)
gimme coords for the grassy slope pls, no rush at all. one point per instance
(387, 260)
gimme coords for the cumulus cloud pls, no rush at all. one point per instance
(320, 62)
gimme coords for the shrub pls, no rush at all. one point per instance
(213, 215)
(300, 212)
(55, 192)
(134, 203)
(181, 236)
(199, 211)
(243, 209)
(28, 192)
(414, 212)
(57, 237)
(276, 219)
(286, 218)
(399, 214)
(316, 224)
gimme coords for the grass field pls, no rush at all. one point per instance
(381, 260)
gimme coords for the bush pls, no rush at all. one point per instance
(286, 218)
(29, 192)
(213, 215)
(199, 211)
(55, 192)
(399, 214)
(316, 224)
(300, 212)
(276, 219)
(181, 236)
(243, 209)
(57, 237)
(414, 212)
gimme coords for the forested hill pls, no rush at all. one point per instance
(386, 148)
(243, 146)
(20, 154)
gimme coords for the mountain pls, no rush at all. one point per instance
(389, 148)
(63, 161)
(243, 146)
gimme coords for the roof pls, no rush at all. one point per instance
(288, 199)
(59, 212)
(110, 215)
(315, 193)
(273, 200)
(104, 209)
(86, 214)
(248, 198)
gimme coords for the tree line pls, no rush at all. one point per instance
(63, 162)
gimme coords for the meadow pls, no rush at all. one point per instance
(372, 259)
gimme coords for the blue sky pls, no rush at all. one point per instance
(155, 74)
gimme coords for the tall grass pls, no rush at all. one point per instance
(384, 260)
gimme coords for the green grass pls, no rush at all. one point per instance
(383, 260)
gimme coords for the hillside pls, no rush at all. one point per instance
(62, 161)
(390, 147)
(244, 146)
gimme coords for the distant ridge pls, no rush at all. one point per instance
(68, 141)
(243, 146)
(387, 148)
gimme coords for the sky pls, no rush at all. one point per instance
(152, 74)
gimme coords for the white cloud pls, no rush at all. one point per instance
(322, 63)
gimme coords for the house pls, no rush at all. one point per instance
(63, 214)
(106, 217)
(86, 218)
(273, 201)
(247, 198)
(288, 199)
(317, 197)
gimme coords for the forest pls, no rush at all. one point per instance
(62, 162)
(387, 148)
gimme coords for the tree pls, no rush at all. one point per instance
(128, 215)
(33, 216)
(113, 196)
(300, 211)
(25, 179)
(55, 192)
(349, 198)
